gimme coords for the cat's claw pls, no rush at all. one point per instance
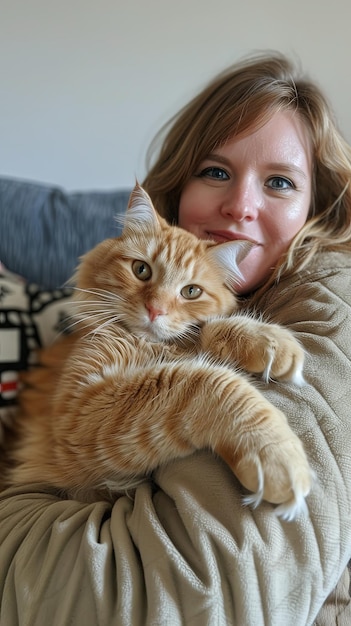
(278, 473)
(295, 376)
(280, 355)
(288, 511)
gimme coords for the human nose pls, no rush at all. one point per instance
(241, 202)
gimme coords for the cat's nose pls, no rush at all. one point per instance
(154, 311)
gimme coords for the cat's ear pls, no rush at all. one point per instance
(227, 256)
(141, 211)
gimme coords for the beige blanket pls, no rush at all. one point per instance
(186, 551)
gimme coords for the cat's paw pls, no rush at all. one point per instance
(257, 347)
(278, 473)
(276, 354)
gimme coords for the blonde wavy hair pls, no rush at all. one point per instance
(241, 99)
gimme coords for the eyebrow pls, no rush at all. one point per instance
(287, 167)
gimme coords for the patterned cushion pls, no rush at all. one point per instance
(29, 318)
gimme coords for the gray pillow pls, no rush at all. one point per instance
(44, 229)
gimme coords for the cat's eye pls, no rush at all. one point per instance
(191, 292)
(141, 270)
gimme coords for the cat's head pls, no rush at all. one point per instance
(157, 280)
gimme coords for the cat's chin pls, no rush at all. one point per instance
(153, 334)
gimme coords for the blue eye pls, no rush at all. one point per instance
(216, 173)
(279, 182)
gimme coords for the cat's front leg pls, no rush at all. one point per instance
(257, 347)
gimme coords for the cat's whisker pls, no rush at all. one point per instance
(110, 295)
(71, 326)
(108, 321)
(81, 303)
(88, 319)
(94, 314)
(95, 306)
(112, 320)
(188, 335)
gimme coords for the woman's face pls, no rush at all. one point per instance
(257, 187)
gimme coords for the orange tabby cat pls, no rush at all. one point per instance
(152, 373)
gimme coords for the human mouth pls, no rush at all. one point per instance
(220, 236)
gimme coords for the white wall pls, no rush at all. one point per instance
(86, 84)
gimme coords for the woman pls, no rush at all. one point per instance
(255, 156)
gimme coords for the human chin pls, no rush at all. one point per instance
(254, 271)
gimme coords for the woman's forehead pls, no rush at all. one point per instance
(284, 138)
